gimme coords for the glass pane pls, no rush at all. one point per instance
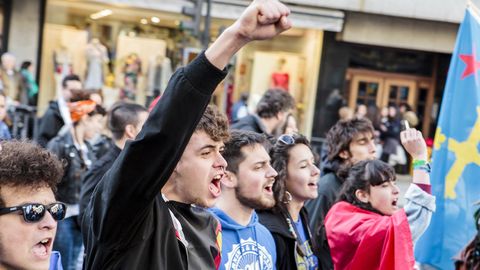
(362, 89)
(422, 95)
(372, 89)
(404, 92)
(393, 92)
(371, 102)
(367, 89)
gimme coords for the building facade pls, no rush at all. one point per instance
(340, 52)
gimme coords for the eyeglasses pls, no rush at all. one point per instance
(34, 212)
(286, 139)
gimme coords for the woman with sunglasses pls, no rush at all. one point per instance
(296, 182)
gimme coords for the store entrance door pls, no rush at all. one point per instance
(382, 89)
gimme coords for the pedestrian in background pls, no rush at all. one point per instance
(4, 131)
(240, 108)
(124, 120)
(53, 119)
(29, 84)
(71, 145)
(271, 113)
(348, 142)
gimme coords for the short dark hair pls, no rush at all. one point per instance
(280, 154)
(239, 139)
(26, 164)
(25, 64)
(71, 77)
(362, 176)
(122, 114)
(214, 123)
(80, 94)
(341, 135)
(273, 102)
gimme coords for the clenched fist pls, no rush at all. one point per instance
(263, 19)
(414, 143)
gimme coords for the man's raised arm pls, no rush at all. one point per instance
(127, 192)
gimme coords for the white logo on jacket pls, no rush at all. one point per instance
(249, 255)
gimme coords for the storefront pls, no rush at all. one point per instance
(129, 50)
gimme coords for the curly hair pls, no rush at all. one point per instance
(280, 154)
(26, 164)
(362, 176)
(273, 102)
(341, 135)
(214, 123)
(239, 139)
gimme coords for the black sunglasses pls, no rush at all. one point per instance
(286, 139)
(34, 212)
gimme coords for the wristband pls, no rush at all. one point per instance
(422, 165)
(419, 162)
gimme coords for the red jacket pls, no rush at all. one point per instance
(361, 239)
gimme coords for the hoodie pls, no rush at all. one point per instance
(245, 247)
(250, 122)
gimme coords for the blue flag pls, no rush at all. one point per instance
(456, 155)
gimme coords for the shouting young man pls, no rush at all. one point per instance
(28, 177)
(247, 185)
(349, 142)
(140, 215)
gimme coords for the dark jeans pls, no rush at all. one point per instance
(68, 242)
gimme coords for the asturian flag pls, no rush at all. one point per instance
(456, 155)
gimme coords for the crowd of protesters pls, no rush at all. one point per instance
(178, 187)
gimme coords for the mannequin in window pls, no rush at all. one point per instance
(159, 71)
(11, 80)
(280, 77)
(62, 61)
(131, 71)
(97, 58)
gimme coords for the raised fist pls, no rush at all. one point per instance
(263, 19)
(414, 143)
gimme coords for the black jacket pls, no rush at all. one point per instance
(250, 122)
(50, 124)
(68, 190)
(127, 224)
(95, 174)
(329, 187)
(285, 242)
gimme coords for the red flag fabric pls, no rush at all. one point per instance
(361, 239)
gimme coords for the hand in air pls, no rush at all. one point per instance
(414, 143)
(263, 19)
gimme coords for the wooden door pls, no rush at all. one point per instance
(397, 91)
(365, 90)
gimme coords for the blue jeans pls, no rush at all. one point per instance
(68, 242)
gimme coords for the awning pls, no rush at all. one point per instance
(302, 16)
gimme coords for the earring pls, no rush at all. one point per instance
(287, 197)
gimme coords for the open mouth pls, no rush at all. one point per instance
(394, 203)
(43, 248)
(269, 188)
(312, 185)
(214, 186)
